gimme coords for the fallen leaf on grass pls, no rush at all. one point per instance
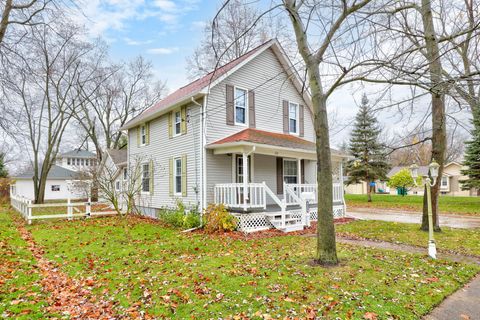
(370, 316)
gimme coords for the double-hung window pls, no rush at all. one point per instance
(146, 178)
(444, 182)
(290, 171)
(240, 106)
(143, 135)
(55, 187)
(293, 117)
(68, 161)
(177, 121)
(117, 185)
(177, 172)
(125, 174)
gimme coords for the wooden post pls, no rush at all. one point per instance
(264, 190)
(69, 209)
(29, 212)
(88, 207)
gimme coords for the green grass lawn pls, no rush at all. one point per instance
(463, 241)
(175, 275)
(20, 291)
(447, 204)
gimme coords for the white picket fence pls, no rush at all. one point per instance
(26, 207)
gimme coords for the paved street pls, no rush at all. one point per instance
(447, 220)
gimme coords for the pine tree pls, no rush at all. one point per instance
(472, 157)
(369, 163)
(3, 169)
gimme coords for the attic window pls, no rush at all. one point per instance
(143, 135)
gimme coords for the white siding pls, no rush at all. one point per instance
(269, 95)
(219, 170)
(160, 149)
(25, 188)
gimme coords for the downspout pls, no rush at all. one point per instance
(202, 154)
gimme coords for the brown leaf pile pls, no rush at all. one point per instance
(67, 296)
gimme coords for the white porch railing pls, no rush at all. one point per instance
(233, 195)
(298, 189)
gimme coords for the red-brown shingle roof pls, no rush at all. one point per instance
(195, 86)
(268, 138)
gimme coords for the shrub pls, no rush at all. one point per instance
(179, 217)
(218, 219)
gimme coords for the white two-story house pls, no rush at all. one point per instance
(243, 136)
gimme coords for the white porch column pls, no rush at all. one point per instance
(245, 179)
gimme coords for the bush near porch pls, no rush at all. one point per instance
(447, 204)
(175, 275)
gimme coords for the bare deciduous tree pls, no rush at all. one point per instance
(118, 93)
(233, 32)
(42, 88)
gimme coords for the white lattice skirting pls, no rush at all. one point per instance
(251, 222)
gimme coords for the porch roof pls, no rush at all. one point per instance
(272, 140)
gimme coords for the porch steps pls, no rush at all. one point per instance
(292, 221)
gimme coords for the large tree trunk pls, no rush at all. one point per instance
(438, 106)
(326, 245)
(5, 17)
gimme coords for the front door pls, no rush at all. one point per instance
(240, 174)
(239, 169)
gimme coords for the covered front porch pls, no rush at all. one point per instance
(272, 185)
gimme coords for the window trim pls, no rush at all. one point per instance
(447, 186)
(296, 171)
(143, 135)
(174, 115)
(297, 120)
(143, 177)
(175, 161)
(235, 107)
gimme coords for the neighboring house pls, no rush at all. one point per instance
(77, 160)
(450, 181)
(61, 177)
(450, 184)
(242, 135)
(114, 168)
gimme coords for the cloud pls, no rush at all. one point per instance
(101, 16)
(162, 51)
(132, 42)
(165, 5)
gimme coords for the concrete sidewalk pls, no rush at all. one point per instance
(463, 304)
(447, 220)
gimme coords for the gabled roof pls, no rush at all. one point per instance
(261, 137)
(55, 173)
(199, 87)
(118, 156)
(78, 154)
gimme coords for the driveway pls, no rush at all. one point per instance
(447, 220)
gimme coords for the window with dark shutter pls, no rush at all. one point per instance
(251, 109)
(302, 121)
(285, 116)
(230, 108)
(279, 175)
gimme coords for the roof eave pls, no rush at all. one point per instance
(133, 123)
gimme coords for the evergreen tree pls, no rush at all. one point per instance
(3, 169)
(472, 157)
(369, 163)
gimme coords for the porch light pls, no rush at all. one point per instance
(434, 169)
(414, 170)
